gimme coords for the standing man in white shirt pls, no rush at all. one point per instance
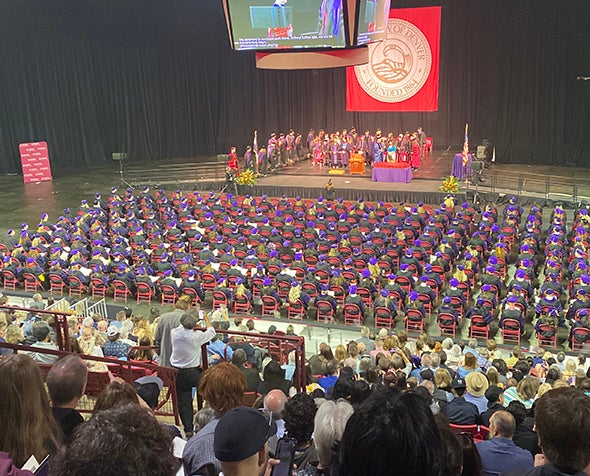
(186, 357)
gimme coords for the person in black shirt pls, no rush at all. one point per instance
(66, 383)
(495, 396)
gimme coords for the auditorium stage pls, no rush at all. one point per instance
(545, 185)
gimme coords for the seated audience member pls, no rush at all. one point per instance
(290, 366)
(116, 394)
(318, 362)
(123, 440)
(477, 384)
(469, 365)
(328, 381)
(42, 335)
(524, 392)
(274, 405)
(115, 347)
(66, 383)
(499, 453)
(365, 338)
(459, 411)
(222, 387)
(25, 413)
(495, 397)
(561, 420)
(241, 442)
(392, 431)
(299, 416)
(525, 435)
(274, 377)
(251, 374)
(329, 424)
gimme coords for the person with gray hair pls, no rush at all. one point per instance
(37, 302)
(329, 424)
(435, 361)
(447, 343)
(365, 339)
(560, 357)
(499, 453)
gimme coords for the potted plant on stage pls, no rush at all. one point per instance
(245, 181)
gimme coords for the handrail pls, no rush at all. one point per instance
(60, 323)
(297, 341)
(125, 369)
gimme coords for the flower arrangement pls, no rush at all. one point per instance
(247, 177)
(449, 185)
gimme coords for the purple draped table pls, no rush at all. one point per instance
(460, 171)
(383, 174)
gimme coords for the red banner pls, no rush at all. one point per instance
(34, 158)
(402, 73)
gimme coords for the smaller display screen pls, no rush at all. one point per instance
(372, 20)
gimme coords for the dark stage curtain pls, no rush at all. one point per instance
(156, 79)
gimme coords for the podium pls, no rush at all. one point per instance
(357, 164)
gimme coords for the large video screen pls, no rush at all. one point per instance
(271, 25)
(372, 20)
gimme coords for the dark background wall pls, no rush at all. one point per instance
(156, 78)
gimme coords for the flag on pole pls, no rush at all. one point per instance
(465, 152)
(255, 142)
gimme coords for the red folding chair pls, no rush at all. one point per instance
(325, 313)
(120, 290)
(547, 335)
(144, 292)
(269, 305)
(169, 294)
(352, 314)
(580, 335)
(242, 304)
(10, 280)
(383, 317)
(414, 320)
(447, 325)
(511, 331)
(479, 327)
(296, 310)
(98, 288)
(76, 286)
(31, 282)
(56, 284)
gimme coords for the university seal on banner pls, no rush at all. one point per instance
(398, 66)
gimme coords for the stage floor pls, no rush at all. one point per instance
(544, 184)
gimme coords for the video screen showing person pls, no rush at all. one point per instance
(269, 24)
(372, 20)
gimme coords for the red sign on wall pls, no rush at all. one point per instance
(34, 157)
(403, 70)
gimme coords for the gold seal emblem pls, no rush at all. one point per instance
(398, 66)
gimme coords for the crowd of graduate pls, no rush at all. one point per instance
(484, 268)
